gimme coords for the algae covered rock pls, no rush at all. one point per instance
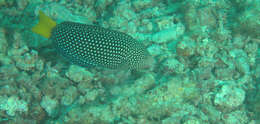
(230, 96)
(69, 95)
(186, 47)
(49, 105)
(12, 105)
(3, 41)
(236, 117)
(79, 74)
(29, 61)
(174, 65)
(139, 86)
(155, 49)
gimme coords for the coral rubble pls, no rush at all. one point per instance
(206, 69)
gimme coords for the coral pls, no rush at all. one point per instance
(61, 13)
(213, 114)
(3, 41)
(155, 49)
(94, 114)
(161, 98)
(206, 71)
(253, 122)
(165, 35)
(192, 121)
(5, 60)
(186, 89)
(186, 114)
(84, 87)
(70, 94)
(173, 65)
(21, 120)
(53, 84)
(257, 71)
(248, 19)
(2, 2)
(79, 74)
(139, 5)
(165, 22)
(49, 105)
(12, 105)
(37, 113)
(146, 26)
(230, 96)
(24, 59)
(251, 49)
(238, 41)
(204, 75)
(8, 74)
(207, 48)
(170, 120)
(225, 73)
(142, 84)
(236, 117)
(242, 65)
(102, 4)
(117, 22)
(74, 116)
(91, 95)
(206, 62)
(29, 61)
(253, 101)
(126, 12)
(22, 4)
(14, 14)
(6, 3)
(186, 47)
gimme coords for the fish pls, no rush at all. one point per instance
(94, 46)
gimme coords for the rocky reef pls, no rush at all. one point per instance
(206, 69)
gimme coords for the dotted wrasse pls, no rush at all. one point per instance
(89, 45)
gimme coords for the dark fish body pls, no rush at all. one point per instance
(89, 45)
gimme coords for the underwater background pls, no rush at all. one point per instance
(206, 66)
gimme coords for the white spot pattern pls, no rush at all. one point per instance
(96, 46)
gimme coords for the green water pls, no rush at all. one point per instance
(204, 66)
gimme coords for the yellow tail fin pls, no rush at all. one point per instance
(45, 25)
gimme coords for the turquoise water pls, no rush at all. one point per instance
(205, 67)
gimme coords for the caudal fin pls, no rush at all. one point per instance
(45, 25)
